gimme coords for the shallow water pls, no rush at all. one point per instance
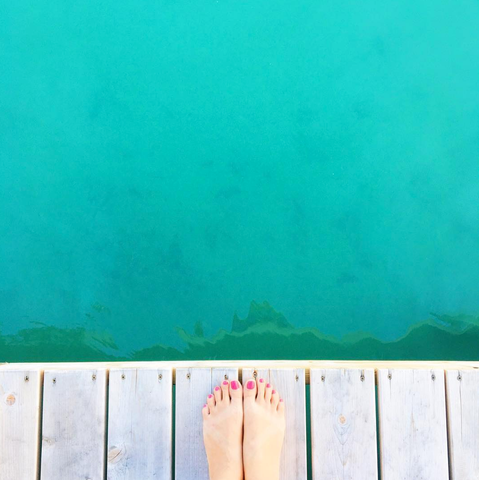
(165, 164)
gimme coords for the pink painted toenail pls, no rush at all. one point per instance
(250, 385)
(273, 392)
(210, 396)
(225, 383)
(261, 380)
(280, 399)
(268, 385)
(204, 406)
(217, 388)
(234, 385)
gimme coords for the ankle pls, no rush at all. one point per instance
(225, 473)
(260, 475)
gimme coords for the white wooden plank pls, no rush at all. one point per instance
(140, 418)
(463, 420)
(192, 388)
(343, 424)
(412, 424)
(290, 383)
(74, 423)
(20, 400)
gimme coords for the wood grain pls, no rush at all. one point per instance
(290, 383)
(74, 424)
(192, 388)
(20, 400)
(140, 422)
(463, 421)
(412, 425)
(343, 424)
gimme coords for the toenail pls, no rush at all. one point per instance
(204, 406)
(225, 383)
(210, 396)
(261, 380)
(268, 385)
(250, 385)
(217, 388)
(234, 385)
(273, 392)
(280, 399)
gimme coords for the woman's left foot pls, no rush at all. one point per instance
(223, 431)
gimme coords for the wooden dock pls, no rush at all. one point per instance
(141, 421)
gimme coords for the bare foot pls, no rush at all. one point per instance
(223, 432)
(264, 426)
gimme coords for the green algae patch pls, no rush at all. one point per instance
(264, 334)
(43, 343)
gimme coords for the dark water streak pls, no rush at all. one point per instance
(264, 334)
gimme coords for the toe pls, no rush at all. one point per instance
(250, 390)
(267, 395)
(281, 406)
(235, 390)
(225, 391)
(274, 399)
(205, 411)
(261, 389)
(217, 394)
(210, 401)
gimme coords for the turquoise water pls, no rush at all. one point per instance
(164, 164)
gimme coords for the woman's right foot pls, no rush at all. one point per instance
(264, 426)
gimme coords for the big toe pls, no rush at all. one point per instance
(235, 390)
(250, 389)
